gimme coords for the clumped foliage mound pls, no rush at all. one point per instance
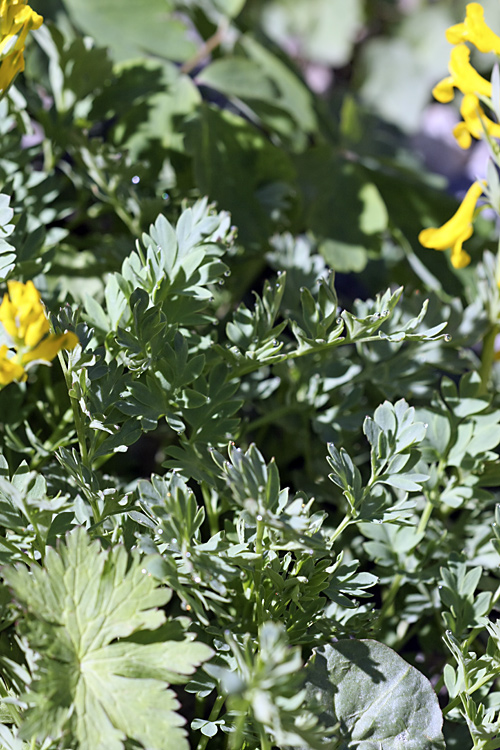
(250, 424)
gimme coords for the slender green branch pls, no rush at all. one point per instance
(259, 549)
(264, 739)
(214, 715)
(488, 356)
(237, 738)
(424, 520)
(342, 525)
(4, 542)
(488, 353)
(77, 416)
(391, 595)
(206, 49)
(212, 515)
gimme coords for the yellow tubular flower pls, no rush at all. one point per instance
(474, 30)
(22, 314)
(16, 20)
(50, 347)
(9, 370)
(475, 122)
(458, 229)
(463, 77)
(24, 320)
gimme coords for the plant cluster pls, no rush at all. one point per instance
(250, 424)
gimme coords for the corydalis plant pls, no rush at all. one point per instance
(27, 329)
(16, 20)
(478, 94)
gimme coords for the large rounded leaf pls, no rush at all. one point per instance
(132, 28)
(378, 699)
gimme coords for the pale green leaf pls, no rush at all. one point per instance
(379, 700)
(90, 683)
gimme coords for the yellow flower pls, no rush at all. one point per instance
(22, 314)
(475, 122)
(458, 229)
(9, 369)
(462, 76)
(16, 20)
(24, 320)
(474, 30)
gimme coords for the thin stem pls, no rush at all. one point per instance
(272, 416)
(391, 595)
(469, 691)
(264, 740)
(77, 416)
(237, 740)
(259, 549)
(214, 715)
(205, 50)
(4, 542)
(488, 353)
(340, 528)
(212, 515)
(424, 520)
(488, 356)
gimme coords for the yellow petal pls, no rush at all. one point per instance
(9, 370)
(456, 230)
(464, 76)
(444, 91)
(9, 68)
(8, 316)
(459, 258)
(51, 346)
(476, 122)
(16, 20)
(462, 134)
(474, 30)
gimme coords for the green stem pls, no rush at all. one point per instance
(77, 416)
(424, 520)
(214, 715)
(488, 353)
(469, 691)
(212, 515)
(272, 416)
(259, 549)
(4, 542)
(488, 356)
(340, 528)
(391, 595)
(264, 740)
(237, 741)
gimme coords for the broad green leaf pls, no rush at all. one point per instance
(341, 207)
(379, 700)
(422, 53)
(132, 28)
(325, 29)
(222, 143)
(89, 682)
(236, 76)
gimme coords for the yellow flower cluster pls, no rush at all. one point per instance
(24, 320)
(16, 20)
(475, 123)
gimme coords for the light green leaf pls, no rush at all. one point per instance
(379, 699)
(132, 28)
(422, 53)
(89, 683)
(325, 29)
(236, 76)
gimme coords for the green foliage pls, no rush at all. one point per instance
(362, 689)
(234, 242)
